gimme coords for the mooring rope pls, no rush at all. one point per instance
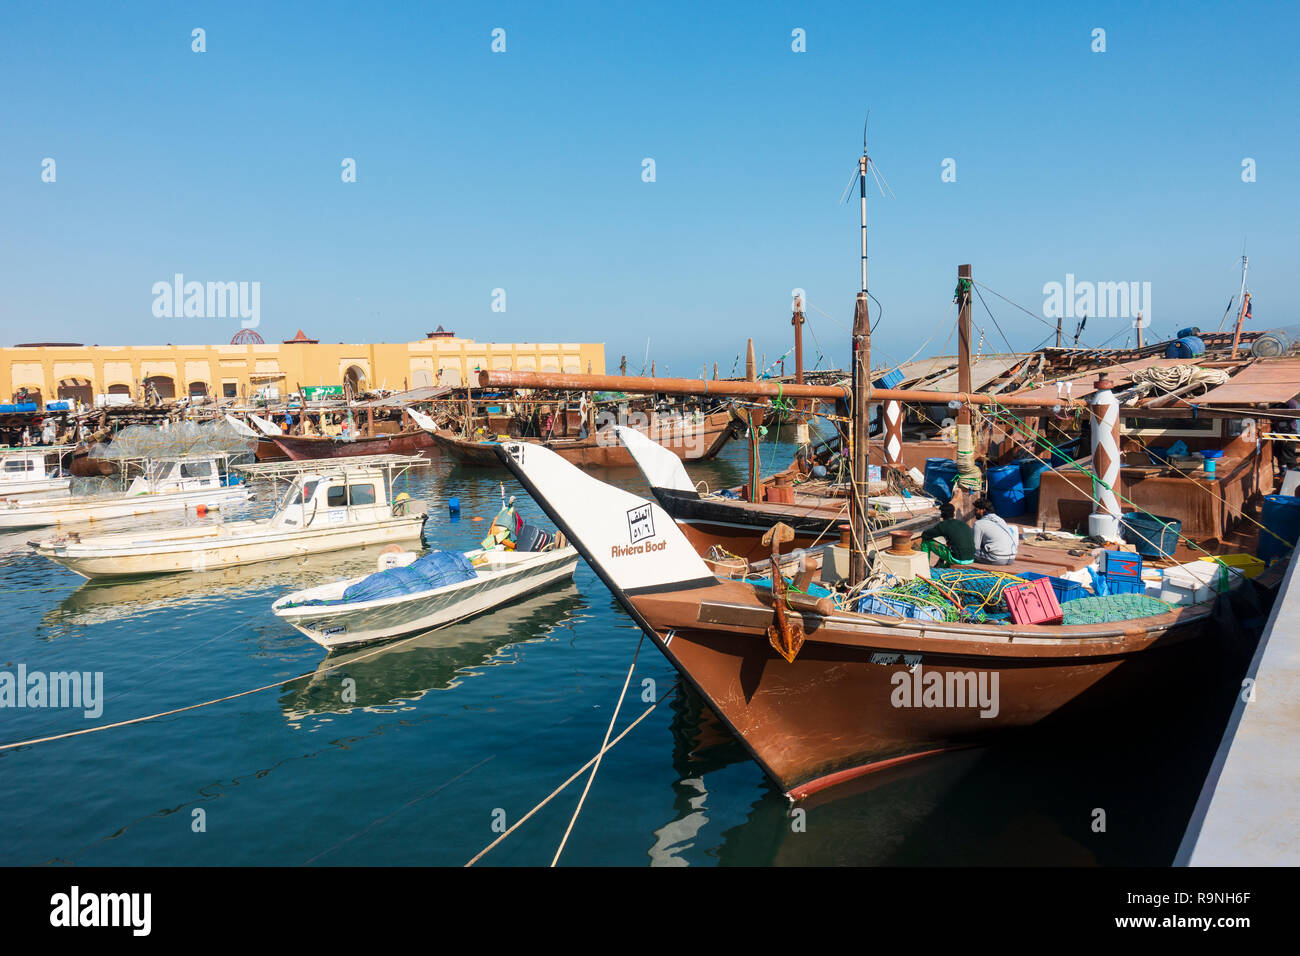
(574, 776)
(609, 730)
(219, 700)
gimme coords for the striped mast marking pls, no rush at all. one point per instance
(1104, 521)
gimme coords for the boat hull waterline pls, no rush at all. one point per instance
(39, 513)
(219, 546)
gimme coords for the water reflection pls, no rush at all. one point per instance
(382, 679)
(98, 602)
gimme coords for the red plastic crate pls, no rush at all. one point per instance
(1034, 603)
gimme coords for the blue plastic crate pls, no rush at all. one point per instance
(1066, 590)
(871, 604)
(1126, 586)
(1123, 564)
(890, 379)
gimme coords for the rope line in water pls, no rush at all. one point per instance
(603, 744)
(219, 700)
(576, 774)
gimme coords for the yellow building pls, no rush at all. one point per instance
(242, 370)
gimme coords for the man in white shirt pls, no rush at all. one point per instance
(995, 542)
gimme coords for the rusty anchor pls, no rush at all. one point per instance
(785, 636)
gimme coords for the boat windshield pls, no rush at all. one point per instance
(304, 492)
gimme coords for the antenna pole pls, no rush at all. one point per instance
(861, 405)
(862, 190)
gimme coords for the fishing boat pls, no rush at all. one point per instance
(328, 507)
(316, 447)
(834, 662)
(451, 588)
(811, 685)
(159, 484)
(32, 470)
(689, 436)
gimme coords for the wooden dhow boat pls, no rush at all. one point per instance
(823, 673)
(820, 693)
(689, 436)
(328, 507)
(316, 447)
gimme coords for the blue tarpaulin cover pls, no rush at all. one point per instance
(434, 570)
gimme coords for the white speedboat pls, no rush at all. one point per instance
(32, 470)
(339, 615)
(163, 484)
(329, 507)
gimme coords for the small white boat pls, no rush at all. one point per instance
(162, 484)
(329, 507)
(498, 577)
(32, 470)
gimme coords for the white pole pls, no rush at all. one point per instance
(862, 183)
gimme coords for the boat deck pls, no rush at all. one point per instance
(1050, 559)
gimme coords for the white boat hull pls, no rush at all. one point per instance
(214, 547)
(36, 486)
(39, 513)
(343, 625)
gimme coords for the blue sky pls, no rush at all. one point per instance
(523, 170)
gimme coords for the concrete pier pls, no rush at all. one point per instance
(1248, 813)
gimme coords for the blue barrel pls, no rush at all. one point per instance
(1031, 472)
(1281, 516)
(1193, 330)
(1006, 490)
(1189, 346)
(940, 478)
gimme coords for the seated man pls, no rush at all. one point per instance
(995, 542)
(958, 545)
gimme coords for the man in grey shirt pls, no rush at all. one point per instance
(995, 542)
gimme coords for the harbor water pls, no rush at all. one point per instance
(418, 753)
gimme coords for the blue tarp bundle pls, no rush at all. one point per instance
(434, 570)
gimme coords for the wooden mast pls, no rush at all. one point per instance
(860, 414)
(963, 340)
(797, 321)
(1245, 301)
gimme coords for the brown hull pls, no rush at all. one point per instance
(303, 448)
(831, 715)
(268, 450)
(696, 442)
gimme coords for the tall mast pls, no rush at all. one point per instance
(797, 321)
(861, 405)
(1241, 315)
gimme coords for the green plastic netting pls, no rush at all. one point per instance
(1114, 607)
